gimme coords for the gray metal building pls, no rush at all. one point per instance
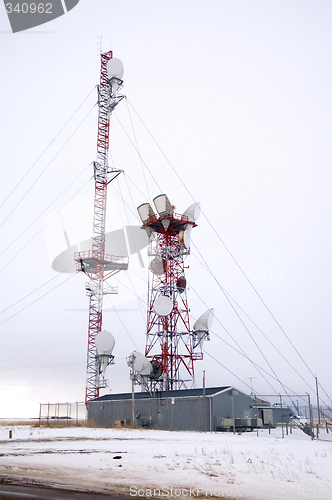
(178, 410)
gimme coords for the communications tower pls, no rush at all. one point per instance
(171, 346)
(95, 263)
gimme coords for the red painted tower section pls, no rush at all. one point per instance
(170, 343)
(96, 264)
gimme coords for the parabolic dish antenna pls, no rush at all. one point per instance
(158, 266)
(141, 364)
(147, 367)
(184, 239)
(115, 68)
(104, 342)
(163, 306)
(163, 205)
(156, 369)
(181, 284)
(204, 322)
(202, 325)
(138, 360)
(68, 231)
(193, 212)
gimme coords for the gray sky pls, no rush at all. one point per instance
(238, 96)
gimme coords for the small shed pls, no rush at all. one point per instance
(211, 409)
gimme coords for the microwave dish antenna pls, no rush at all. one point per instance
(202, 326)
(115, 68)
(105, 343)
(141, 369)
(115, 73)
(163, 305)
(193, 212)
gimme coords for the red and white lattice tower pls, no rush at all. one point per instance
(170, 343)
(95, 263)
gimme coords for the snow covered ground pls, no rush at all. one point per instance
(163, 464)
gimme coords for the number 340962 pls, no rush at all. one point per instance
(31, 8)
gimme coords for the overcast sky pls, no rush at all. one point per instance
(237, 94)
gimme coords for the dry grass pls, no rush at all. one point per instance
(13, 422)
(54, 422)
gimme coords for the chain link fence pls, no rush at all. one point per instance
(62, 414)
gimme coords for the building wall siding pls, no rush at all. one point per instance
(178, 413)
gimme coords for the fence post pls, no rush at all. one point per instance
(282, 423)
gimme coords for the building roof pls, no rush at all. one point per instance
(183, 393)
(260, 402)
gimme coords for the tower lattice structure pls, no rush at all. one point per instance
(170, 343)
(96, 264)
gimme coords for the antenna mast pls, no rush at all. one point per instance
(170, 343)
(95, 263)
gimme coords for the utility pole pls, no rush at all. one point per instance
(317, 401)
(203, 401)
(133, 392)
(251, 379)
(310, 415)
(233, 412)
(281, 416)
(256, 400)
